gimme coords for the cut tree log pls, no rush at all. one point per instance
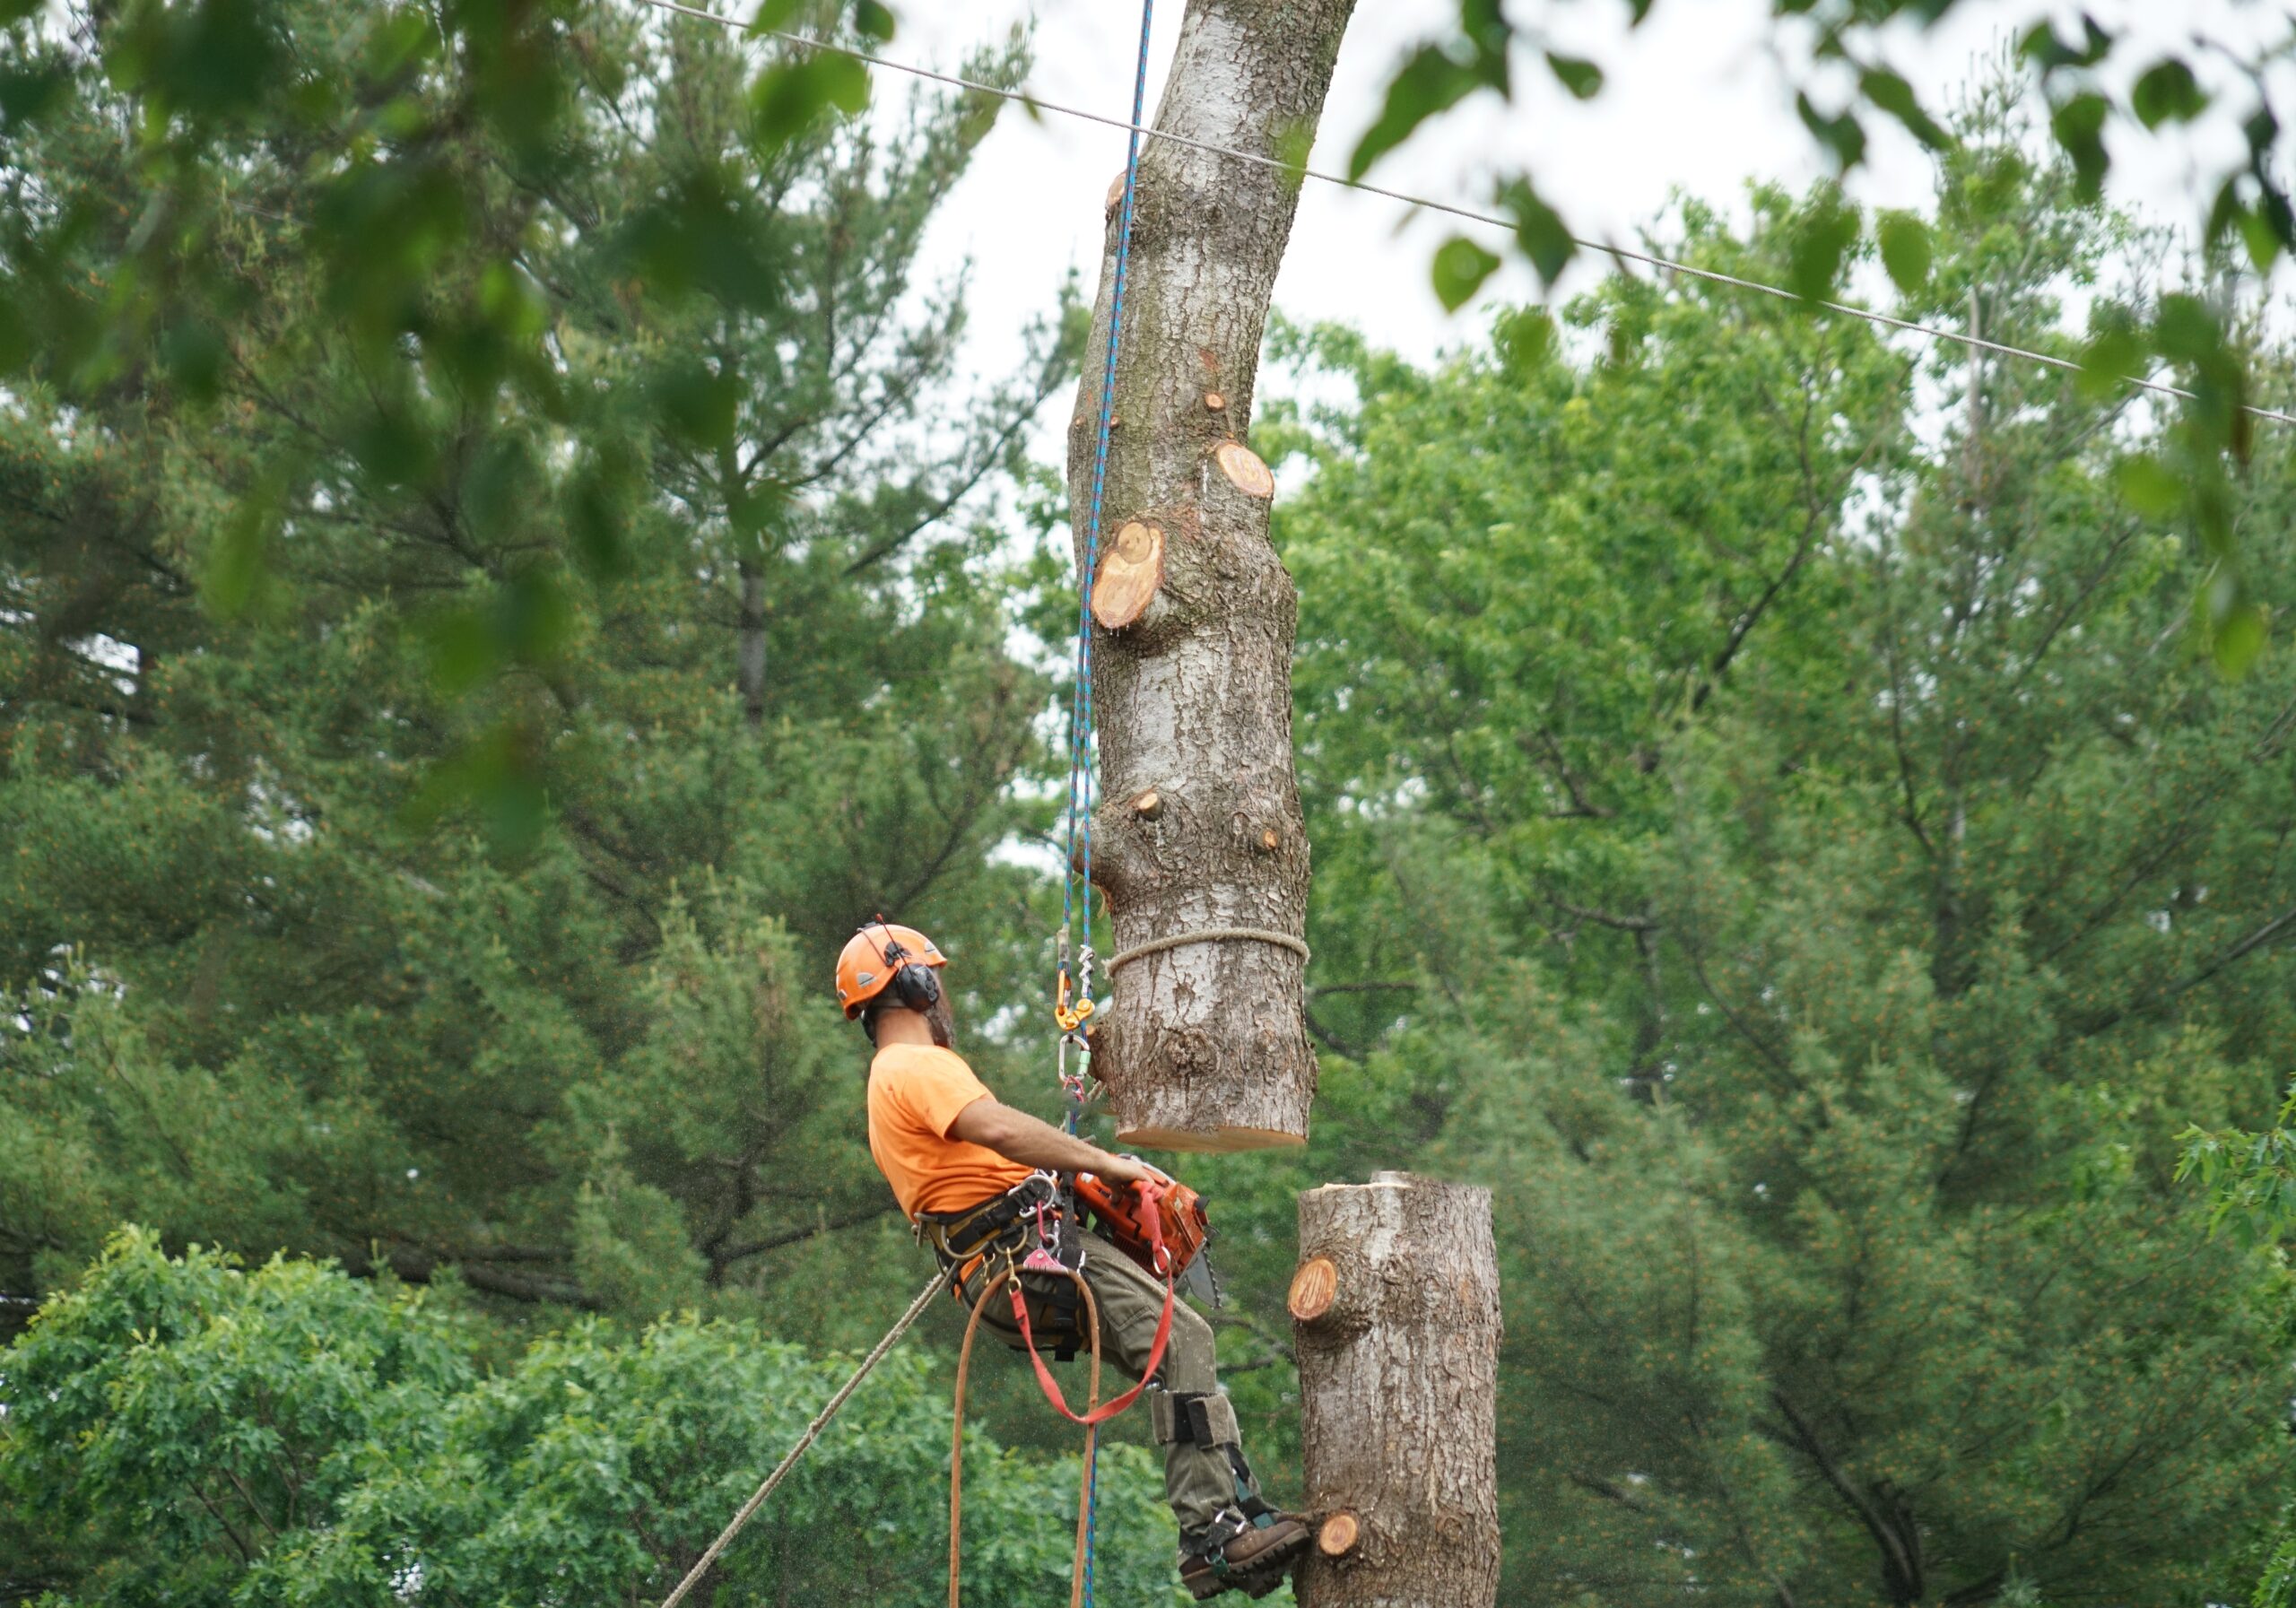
(1204, 1046)
(1395, 1316)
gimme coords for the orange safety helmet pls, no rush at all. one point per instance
(875, 956)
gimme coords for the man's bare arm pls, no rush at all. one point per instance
(1018, 1137)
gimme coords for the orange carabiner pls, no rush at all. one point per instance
(1069, 1020)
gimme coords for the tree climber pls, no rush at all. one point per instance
(979, 1181)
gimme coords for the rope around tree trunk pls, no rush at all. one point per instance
(1218, 935)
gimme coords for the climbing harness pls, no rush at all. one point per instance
(812, 1431)
(1019, 1229)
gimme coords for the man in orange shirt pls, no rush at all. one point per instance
(976, 1178)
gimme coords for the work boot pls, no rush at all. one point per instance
(1236, 1553)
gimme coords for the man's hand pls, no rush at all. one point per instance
(1123, 1171)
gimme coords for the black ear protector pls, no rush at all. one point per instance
(913, 983)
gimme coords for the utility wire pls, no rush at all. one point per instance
(1624, 254)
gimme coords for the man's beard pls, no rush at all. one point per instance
(943, 1023)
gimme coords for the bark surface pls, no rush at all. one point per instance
(1202, 1046)
(1395, 1322)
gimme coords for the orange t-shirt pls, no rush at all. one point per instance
(915, 1092)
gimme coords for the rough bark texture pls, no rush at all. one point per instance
(1204, 1047)
(1395, 1321)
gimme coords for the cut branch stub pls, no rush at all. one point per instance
(1395, 1325)
(1214, 403)
(1244, 470)
(1311, 1289)
(1116, 194)
(1129, 575)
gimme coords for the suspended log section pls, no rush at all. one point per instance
(1203, 1045)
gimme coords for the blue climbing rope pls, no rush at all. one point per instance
(1076, 885)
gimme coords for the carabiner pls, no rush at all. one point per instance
(1069, 1020)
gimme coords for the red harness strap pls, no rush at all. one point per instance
(1153, 1220)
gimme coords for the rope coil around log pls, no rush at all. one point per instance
(1218, 935)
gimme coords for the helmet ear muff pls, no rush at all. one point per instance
(913, 983)
(915, 986)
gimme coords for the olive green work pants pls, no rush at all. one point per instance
(1199, 1481)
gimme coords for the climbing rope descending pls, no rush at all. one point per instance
(1077, 880)
(812, 1430)
(1080, 1589)
(1073, 993)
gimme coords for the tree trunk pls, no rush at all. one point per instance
(1205, 1045)
(1394, 1314)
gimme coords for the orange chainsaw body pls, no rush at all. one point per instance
(1117, 1213)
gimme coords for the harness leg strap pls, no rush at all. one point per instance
(1207, 1418)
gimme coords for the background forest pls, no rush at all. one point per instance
(1777, 822)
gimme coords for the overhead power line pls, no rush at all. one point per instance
(1624, 254)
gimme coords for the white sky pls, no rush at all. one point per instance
(1698, 100)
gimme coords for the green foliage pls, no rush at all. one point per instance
(290, 1437)
(1771, 826)
(402, 743)
(2247, 208)
(503, 297)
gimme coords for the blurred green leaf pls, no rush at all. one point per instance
(1582, 77)
(15, 339)
(235, 567)
(1459, 270)
(393, 448)
(192, 352)
(790, 96)
(1526, 339)
(1539, 230)
(699, 402)
(1843, 135)
(2145, 484)
(2239, 638)
(500, 487)
(2166, 92)
(207, 59)
(2112, 358)
(2079, 125)
(1889, 91)
(873, 22)
(1430, 82)
(2188, 330)
(706, 235)
(464, 652)
(28, 94)
(1905, 251)
(2262, 237)
(2043, 46)
(1823, 236)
